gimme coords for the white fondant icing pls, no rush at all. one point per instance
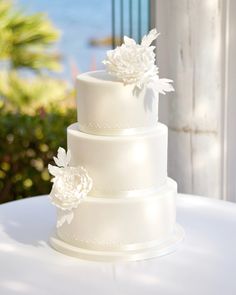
(107, 224)
(150, 250)
(105, 105)
(121, 163)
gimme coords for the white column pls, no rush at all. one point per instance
(192, 51)
(230, 104)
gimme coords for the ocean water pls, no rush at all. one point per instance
(80, 21)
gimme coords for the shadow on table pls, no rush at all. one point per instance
(28, 221)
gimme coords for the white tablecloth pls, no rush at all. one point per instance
(204, 264)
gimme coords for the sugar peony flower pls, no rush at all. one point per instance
(70, 185)
(134, 63)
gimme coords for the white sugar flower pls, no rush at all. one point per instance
(70, 185)
(162, 85)
(134, 63)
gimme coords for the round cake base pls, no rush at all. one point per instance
(161, 249)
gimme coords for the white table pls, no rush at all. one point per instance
(204, 264)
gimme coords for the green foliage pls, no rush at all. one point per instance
(31, 129)
(27, 46)
(27, 145)
(25, 39)
(28, 94)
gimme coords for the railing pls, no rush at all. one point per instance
(131, 18)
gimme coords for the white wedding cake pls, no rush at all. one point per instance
(113, 196)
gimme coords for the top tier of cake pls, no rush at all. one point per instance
(106, 106)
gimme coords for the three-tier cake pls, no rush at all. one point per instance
(113, 196)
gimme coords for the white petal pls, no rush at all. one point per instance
(79, 187)
(147, 39)
(53, 170)
(128, 41)
(68, 157)
(62, 159)
(61, 156)
(60, 221)
(163, 85)
(61, 218)
(64, 216)
(69, 216)
(57, 161)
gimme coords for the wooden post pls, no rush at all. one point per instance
(192, 51)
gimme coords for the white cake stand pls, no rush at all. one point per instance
(147, 252)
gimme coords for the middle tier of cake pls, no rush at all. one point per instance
(121, 165)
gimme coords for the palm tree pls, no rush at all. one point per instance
(26, 45)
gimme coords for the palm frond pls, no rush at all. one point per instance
(25, 40)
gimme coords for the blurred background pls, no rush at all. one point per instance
(45, 44)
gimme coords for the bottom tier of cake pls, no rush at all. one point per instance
(122, 228)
